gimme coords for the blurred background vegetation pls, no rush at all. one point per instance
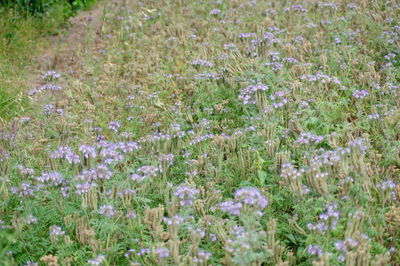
(24, 24)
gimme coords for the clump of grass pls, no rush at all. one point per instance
(22, 34)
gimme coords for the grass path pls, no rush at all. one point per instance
(209, 133)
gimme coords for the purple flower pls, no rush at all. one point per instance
(107, 210)
(88, 151)
(201, 62)
(51, 75)
(110, 153)
(145, 172)
(31, 219)
(306, 138)
(186, 194)
(56, 231)
(48, 108)
(251, 196)
(114, 126)
(231, 207)
(26, 171)
(290, 172)
(314, 250)
(175, 220)
(100, 171)
(387, 185)
(23, 190)
(131, 215)
(201, 257)
(162, 253)
(82, 188)
(97, 261)
(215, 11)
(50, 87)
(144, 251)
(65, 152)
(359, 94)
(51, 178)
(247, 94)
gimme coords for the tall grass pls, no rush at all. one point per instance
(23, 28)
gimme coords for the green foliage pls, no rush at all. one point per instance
(42, 7)
(327, 166)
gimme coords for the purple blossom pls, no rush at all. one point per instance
(97, 261)
(387, 185)
(88, 151)
(215, 11)
(247, 35)
(107, 210)
(23, 190)
(207, 76)
(56, 231)
(202, 257)
(288, 171)
(131, 215)
(26, 171)
(48, 109)
(144, 251)
(50, 87)
(110, 154)
(306, 138)
(162, 253)
(114, 126)
(82, 188)
(31, 219)
(51, 178)
(201, 62)
(186, 194)
(51, 75)
(358, 145)
(247, 94)
(231, 207)
(175, 220)
(251, 196)
(360, 94)
(314, 250)
(65, 152)
(100, 171)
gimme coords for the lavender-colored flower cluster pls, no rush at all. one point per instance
(360, 94)
(107, 210)
(247, 94)
(145, 172)
(186, 194)
(249, 198)
(97, 261)
(329, 220)
(307, 138)
(315, 250)
(201, 62)
(51, 75)
(162, 253)
(65, 152)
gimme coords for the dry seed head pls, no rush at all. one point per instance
(50, 260)
(380, 260)
(393, 216)
(153, 219)
(354, 224)
(322, 261)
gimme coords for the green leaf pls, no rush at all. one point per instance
(262, 176)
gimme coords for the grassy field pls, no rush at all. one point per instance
(207, 132)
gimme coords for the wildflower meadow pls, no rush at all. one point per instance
(211, 132)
